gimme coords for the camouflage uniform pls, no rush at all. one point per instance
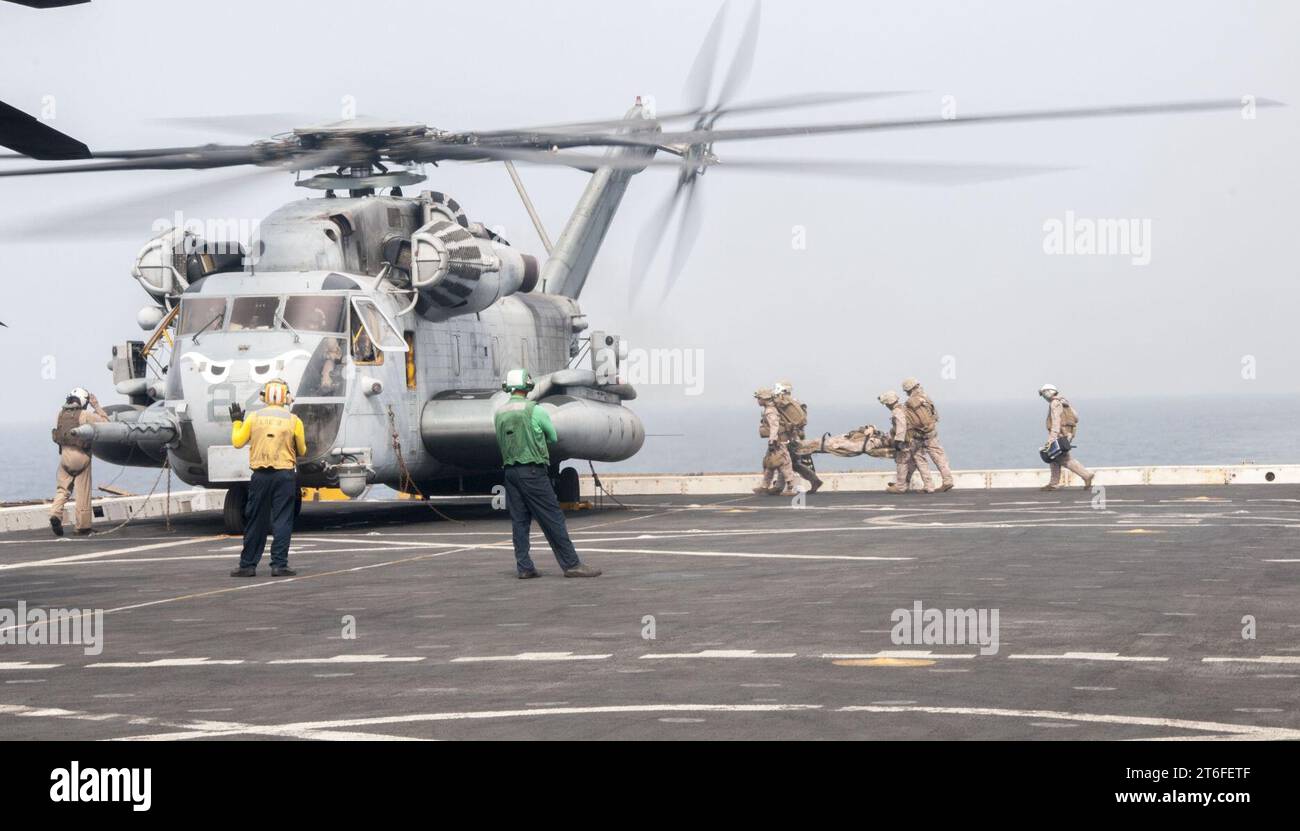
(908, 458)
(72, 476)
(1058, 426)
(928, 443)
(776, 462)
(802, 462)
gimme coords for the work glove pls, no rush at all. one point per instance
(236, 412)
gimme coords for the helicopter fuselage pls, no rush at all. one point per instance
(396, 382)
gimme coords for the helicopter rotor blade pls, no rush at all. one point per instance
(743, 61)
(908, 172)
(247, 124)
(137, 214)
(647, 243)
(698, 136)
(198, 160)
(688, 231)
(788, 102)
(572, 140)
(36, 139)
(48, 4)
(273, 157)
(794, 102)
(699, 81)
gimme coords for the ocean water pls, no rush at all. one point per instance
(692, 437)
(997, 434)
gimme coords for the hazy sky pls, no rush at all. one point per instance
(894, 280)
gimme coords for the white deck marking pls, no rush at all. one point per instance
(716, 653)
(97, 555)
(1262, 659)
(165, 662)
(743, 554)
(26, 665)
(283, 581)
(1249, 730)
(1090, 656)
(351, 659)
(894, 653)
(195, 729)
(528, 656)
(327, 729)
(614, 709)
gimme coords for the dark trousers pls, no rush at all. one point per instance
(529, 496)
(272, 496)
(797, 462)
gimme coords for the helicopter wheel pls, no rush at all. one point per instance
(567, 488)
(232, 511)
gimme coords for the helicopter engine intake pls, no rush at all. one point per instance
(458, 273)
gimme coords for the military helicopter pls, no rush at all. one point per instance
(393, 317)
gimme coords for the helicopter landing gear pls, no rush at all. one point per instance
(567, 489)
(232, 510)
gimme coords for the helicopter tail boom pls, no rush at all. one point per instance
(565, 272)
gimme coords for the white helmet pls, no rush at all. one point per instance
(82, 395)
(1048, 390)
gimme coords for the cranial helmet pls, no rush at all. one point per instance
(81, 395)
(910, 384)
(516, 380)
(889, 398)
(276, 392)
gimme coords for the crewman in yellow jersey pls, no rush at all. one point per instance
(275, 441)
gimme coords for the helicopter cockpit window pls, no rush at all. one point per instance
(253, 313)
(363, 348)
(202, 314)
(377, 326)
(315, 314)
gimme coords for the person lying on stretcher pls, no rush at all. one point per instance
(864, 440)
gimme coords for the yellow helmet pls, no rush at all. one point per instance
(276, 393)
